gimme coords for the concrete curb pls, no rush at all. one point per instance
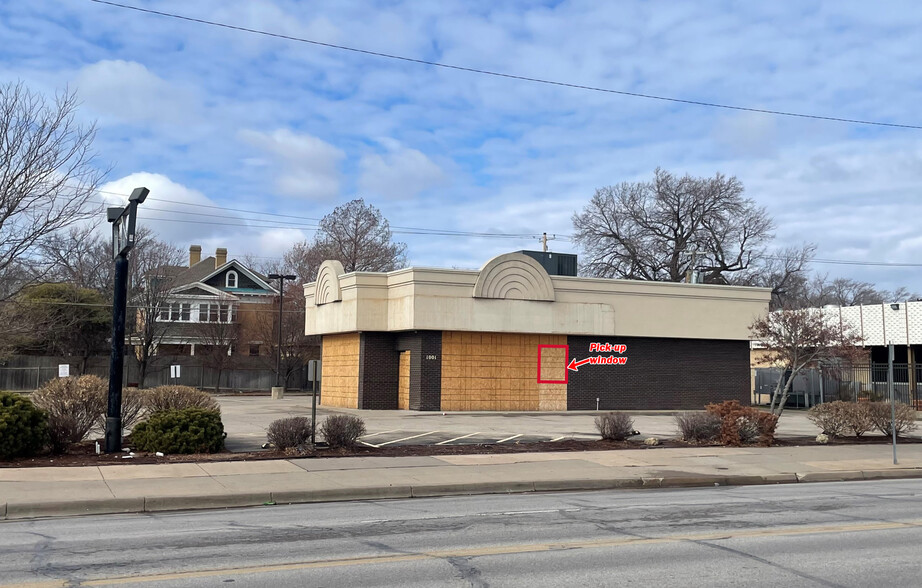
(32, 510)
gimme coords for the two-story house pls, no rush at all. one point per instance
(214, 300)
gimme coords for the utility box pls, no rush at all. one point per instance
(555, 264)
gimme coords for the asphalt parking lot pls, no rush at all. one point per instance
(402, 437)
(246, 419)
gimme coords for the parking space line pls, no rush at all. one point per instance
(457, 438)
(406, 438)
(379, 433)
(369, 444)
(558, 438)
(509, 438)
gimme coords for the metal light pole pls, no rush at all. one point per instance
(123, 234)
(278, 391)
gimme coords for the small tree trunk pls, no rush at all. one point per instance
(775, 394)
(142, 373)
(784, 396)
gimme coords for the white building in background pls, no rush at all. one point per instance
(878, 325)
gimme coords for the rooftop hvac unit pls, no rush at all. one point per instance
(556, 264)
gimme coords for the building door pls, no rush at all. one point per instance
(403, 381)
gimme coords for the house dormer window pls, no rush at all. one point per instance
(231, 279)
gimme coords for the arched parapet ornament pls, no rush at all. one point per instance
(514, 276)
(328, 289)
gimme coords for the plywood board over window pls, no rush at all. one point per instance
(340, 357)
(499, 371)
(403, 388)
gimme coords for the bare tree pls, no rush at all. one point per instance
(152, 266)
(356, 234)
(784, 271)
(80, 257)
(801, 290)
(661, 229)
(47, 177)
(798, 339)
(216, 336)
(297, 348)
(304, 260)
(62, 319)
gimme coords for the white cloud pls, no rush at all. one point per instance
(129, 92)
(167, 210)
(183, 216)
(309, 166)
(400, 172)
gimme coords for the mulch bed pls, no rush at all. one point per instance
(84, 454)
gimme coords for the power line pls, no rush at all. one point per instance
(414, 230)
(394, 228)
(505, 75)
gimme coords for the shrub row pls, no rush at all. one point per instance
(839, 418)
(186, 430)
(728, 423)
(23, 427)
(73, 407)
(743, 424)
(338, 430)
(615, 426)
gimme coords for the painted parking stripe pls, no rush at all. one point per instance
(510, 438)
(369, 444)
(558, 438)
(407, 438)
(457, 438)
(380, 433)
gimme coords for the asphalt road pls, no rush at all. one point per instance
(842, 534)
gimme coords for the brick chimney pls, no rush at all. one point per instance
(195, 254)
(220, 257)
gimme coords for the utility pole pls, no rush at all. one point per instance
(123, 235)
(279, 390)
(544, 239)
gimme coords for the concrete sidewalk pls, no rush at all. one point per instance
(51, 491)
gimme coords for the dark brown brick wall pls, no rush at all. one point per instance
(379, 367)
(425, 373)
(660, 374)
(379, 362)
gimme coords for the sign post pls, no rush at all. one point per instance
(892, 399)
(123, 234)
(313, 375)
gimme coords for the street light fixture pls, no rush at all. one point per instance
(278, 358)
(123, 238)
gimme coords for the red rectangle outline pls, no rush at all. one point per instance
(566, 358)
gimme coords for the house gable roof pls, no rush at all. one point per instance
(239, 267)
(200, 289)
(205, 270)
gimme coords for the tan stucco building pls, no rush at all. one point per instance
(501, 338)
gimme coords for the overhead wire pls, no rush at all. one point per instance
(518, 77)
(399, 229)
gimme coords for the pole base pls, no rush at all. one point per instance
(113, 434)
(278, 392)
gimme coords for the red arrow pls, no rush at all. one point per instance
(575, 364)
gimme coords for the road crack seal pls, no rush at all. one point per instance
(467, 571)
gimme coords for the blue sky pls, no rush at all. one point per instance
(212, 116)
